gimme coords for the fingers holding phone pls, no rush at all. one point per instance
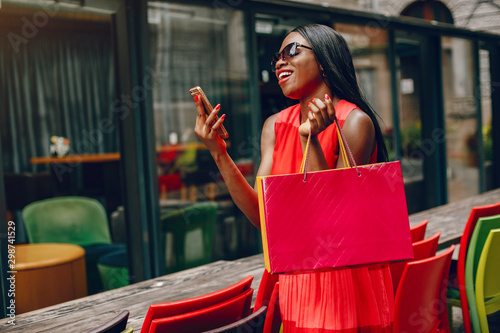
(209, 127)
(204, 106)
(212, 121)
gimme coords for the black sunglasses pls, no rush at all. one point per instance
(289, 51)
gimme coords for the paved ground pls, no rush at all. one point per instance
(458, 327)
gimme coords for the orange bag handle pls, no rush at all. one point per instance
(344, 151)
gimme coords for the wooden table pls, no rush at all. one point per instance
(77, 158)
(89, 312)
(48, 274)
(450, 219)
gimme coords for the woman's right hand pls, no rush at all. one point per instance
(206, 128)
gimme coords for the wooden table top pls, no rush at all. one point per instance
(109, 157)
(79, 158)
(450, 219)
(89, 312)
(86, 313)
(33, 256)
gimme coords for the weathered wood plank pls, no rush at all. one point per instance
(450, 219)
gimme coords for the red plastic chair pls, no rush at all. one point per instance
(420, 303)
(273, 317)
(162, 310)
(254, 323)
(170, 182)
(265, 290)
(417, 232)
(459, 283)
(208, 318)
(423, 249)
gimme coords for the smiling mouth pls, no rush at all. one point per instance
(284, 75)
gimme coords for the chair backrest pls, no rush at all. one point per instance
(273, 317)
(417, 231)
(478, 239)
(420, 302)
(487, 281)
(75, 220)
(214, 316)
(198, 216)
(265, 290)
(475, 214)
(115, 325)
(162, 310)
(254, 323)
(423, 249)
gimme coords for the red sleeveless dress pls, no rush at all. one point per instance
(352, 299)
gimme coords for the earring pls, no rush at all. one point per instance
(323, 74)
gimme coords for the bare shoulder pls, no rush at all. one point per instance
(267, 142)
(359, 132)
(269, 123)
(268, 136)
(359, 121)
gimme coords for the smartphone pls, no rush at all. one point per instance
(221, 131)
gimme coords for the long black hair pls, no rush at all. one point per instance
(333, 56)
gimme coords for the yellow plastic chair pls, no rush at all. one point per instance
(483, 227)
(487, 280)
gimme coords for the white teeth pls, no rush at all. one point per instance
(283, 74)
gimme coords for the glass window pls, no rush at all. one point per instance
(461, 117)
(368, 45)
(206, 47)
(410, 114)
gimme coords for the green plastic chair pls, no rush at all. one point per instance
(113, 269)
(487, 280)
(200, 216)
(74, 220)
(197, 217)
(480, 234)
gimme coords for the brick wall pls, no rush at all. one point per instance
(470, 14)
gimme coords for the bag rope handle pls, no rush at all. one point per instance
(345, 152)
(343, 143)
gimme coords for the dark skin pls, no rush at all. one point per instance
(304, 82)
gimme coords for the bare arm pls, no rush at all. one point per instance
(243, 195)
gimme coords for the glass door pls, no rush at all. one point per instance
(198, 45)
(410, 82)
(461, 117)
(486, 119)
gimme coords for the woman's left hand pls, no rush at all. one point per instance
(321, 115)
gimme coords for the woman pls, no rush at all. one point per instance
(314, 65)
